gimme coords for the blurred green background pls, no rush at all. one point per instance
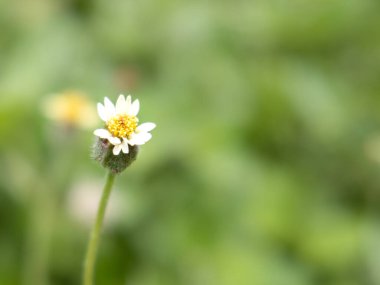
(264, 168)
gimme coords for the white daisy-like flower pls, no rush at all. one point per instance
(121, 124)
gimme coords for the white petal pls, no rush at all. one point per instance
(102, 133)
(124, 146)
(121, 105)
(114, 141)
(131, 141)
(110, 108)
(116, 150)
(146, 127)
(128, 104)
(140, 138)
(135, 107)
(102, 112)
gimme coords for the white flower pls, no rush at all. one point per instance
(122, 128)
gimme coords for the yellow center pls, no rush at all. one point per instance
(122, 126)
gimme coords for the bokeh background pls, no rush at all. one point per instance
(264, 168)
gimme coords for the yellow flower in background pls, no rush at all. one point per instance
(121, 124)
(72, 108)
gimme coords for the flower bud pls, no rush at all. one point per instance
(102, 152)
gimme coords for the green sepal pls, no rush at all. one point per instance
(102, 152)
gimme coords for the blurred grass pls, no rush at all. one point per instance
(263, 168)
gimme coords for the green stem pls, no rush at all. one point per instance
(89, 262)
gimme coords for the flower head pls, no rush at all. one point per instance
(71, 108)
(122, 127)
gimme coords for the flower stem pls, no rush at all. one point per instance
(89, 262)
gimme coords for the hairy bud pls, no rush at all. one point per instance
(102, 152)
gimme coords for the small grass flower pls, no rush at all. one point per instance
(71, 108)
(116, 148)
(122, 128)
